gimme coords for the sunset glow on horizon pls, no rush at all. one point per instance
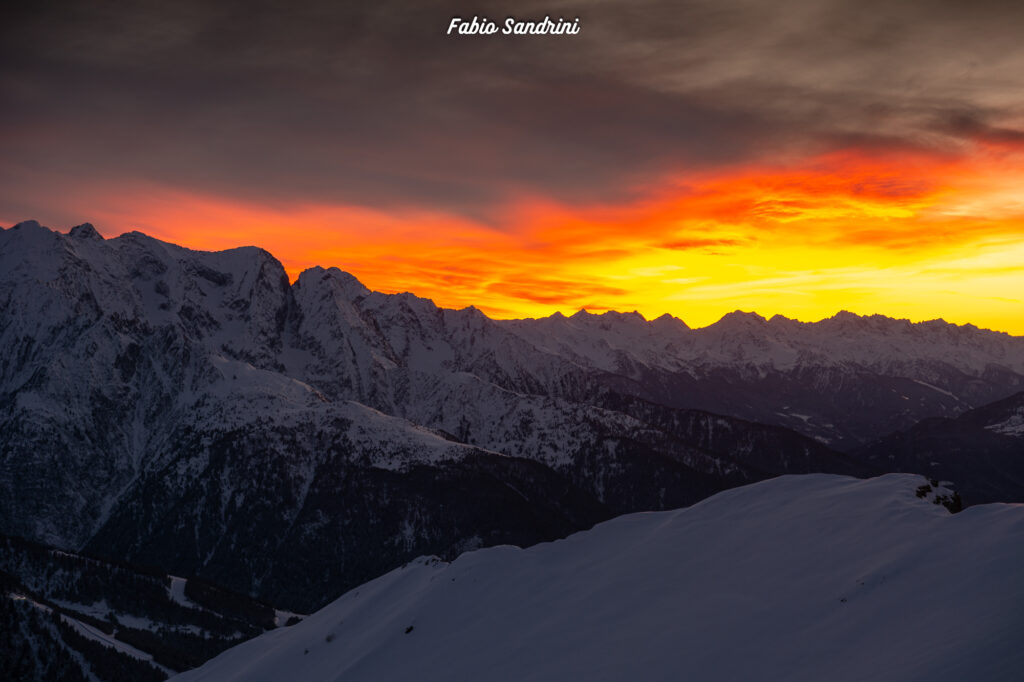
(900, 234)
(795, 157)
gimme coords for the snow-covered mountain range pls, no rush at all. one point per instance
(845, 380)
(198, 412)
(811, 578)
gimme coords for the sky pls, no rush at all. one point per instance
(793, 157)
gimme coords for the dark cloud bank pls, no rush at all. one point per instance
(372, 104)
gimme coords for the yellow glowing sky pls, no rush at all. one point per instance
(901, 234)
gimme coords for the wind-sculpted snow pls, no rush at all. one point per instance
(799, 578)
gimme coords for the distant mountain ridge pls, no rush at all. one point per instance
(844, 380)
(195, 411)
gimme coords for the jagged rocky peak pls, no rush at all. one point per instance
(739, 319)
(472, 315)
(28, 225)
(666, 321)
(785, 323)
(939, 323)
(234, 299)
(347, 282)
(33, 242)
(608, 317)
(33, 237)
(85, 231)
(630, 315)
(634, 316)
(883, 324)
(405, 306)
(846, 316)
(243, 267)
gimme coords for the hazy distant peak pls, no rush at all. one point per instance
(741, 318)
(666, 321)
(608, 316)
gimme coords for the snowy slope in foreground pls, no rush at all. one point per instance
(800, 578)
